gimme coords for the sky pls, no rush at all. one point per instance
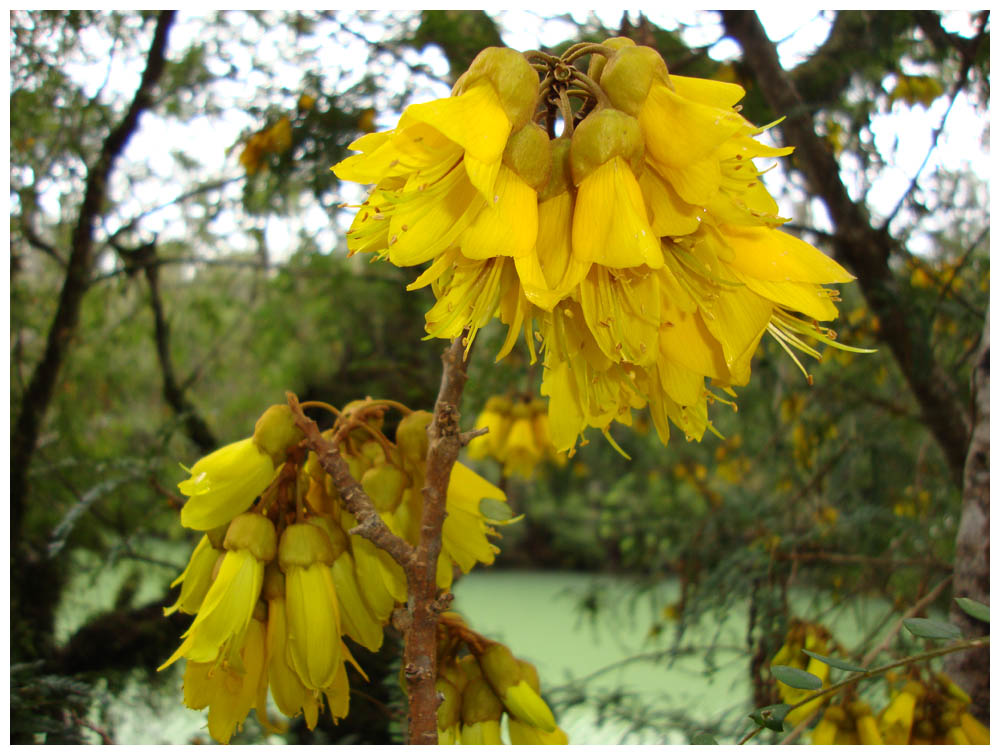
(904, 133)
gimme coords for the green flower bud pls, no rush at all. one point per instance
(338, 540)
(411, 435)
(527, 154)
(513, 77)
(385, 484)
(602, 135)
(597, 62)
(560, 174)
(450, 710)
(480, 703)
(304, 545)
(275, 431)
(254, 533)
(274, 583)
(629, 74)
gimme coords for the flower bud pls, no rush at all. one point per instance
(597, 62)
(513, 78)
(254, 533)
(275, 431)
(304, 545)
(527, 154)
(602, 135)
(411, 436)
(560, 174)
(480, 703)
(629, 74)
(504, 674)
(385, 484)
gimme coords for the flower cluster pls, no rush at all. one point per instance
(278, 579)
(478, 682)
(920, 710)
(931, 711)
(639, 247)
(518, 438)
(271, 141)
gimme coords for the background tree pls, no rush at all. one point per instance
(154, 306)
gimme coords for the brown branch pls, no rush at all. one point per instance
(865, 249)
(195, 426)
(370, 524)
(38, 396)
(919, 606)
(420, 651)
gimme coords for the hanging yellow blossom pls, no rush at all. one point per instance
(277, 581)
(639, 247)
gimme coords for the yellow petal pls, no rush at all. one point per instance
(688, 342)
(313, 624)
(776, 256)
(669, 214)
(358, 621)
(719, 94)
(679, 131)
(610, 226)
(508, 225)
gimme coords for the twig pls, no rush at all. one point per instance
(370, 524)
(914, 610)
(936, 653)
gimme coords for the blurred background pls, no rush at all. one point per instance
(178, 263)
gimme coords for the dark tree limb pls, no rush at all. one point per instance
(194, 424)
(972, 546)
(38, 396)
(864, 248)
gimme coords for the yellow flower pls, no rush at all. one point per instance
(290, 695)
(463, 537)
(224, 484)
(496, 417)
(195, 579)
(231, 694)
(224, 615)
(525, 734)
(640, 243)
(305, 555)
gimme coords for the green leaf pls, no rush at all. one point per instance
(796, 677)
(974, 608)
(834, 662)
(772, 716)
(703, 738)
(497, 510)
(932, 630)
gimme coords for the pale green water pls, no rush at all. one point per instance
(535, 614)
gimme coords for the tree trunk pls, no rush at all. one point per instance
(971, 670)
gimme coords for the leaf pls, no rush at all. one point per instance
(834, 662)
(772, 716)
(974, 608)
(497, 512)
(703, 738)
(796, 677)
(932, 630)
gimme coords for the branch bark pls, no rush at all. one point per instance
(420, 652)
(971, 671)
(864, 248)
(195, 426)
(38, 396)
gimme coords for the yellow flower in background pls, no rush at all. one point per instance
(639, 247)
(519, 436)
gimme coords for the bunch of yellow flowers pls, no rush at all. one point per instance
(639, 246)
(270, 141)
(479, 681)
(920, 711)
(519, 436)
(277, 580)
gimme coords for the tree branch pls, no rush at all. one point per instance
(862, 247)
(38, 396)
(195, 426)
